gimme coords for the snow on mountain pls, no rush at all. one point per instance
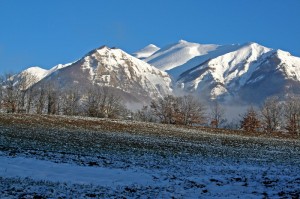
(114, 68)
(250, 73)
(177, 54)
(289, 64)
(32, 75)
(146, 51)
(220, 50)
(225, 72)
(37, 72)
(58, 67)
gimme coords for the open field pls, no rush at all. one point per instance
(71, 157)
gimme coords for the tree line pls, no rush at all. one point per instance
(17, 95)
(274, 116)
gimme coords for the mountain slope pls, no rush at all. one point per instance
(116, 69)
(37, 72)
(218, 51)
(278, 74)
(146, 51)
(249, 74)
(245, 73)
(32, 75)
(177, 54)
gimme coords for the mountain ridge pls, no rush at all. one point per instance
(114, 68)
(236, 72)
(146, 52)
(227, 72)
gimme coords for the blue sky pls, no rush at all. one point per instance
(49, 32)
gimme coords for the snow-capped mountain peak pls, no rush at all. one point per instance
(177, 54)
(248, 72)
(146, 51)
(289, 65)
(114, 68)
(34, 74)
(35, 71)
(152, 46)
(182, 41)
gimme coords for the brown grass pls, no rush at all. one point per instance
(110, 125)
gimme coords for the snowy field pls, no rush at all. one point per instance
(60, 157)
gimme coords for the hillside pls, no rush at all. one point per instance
(133, 79)
(242, 74)
(177, 54)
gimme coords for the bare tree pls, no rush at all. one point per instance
(145, 114)
(30, 94)
(271, 113)
(292, 115)
(22, 84)
(40, 99)
(165, 109)
(93, 96)
(71, 101)
(184, 110)
(10, 99)
(190, 111)
(250, 121)
(101, 102)
(52, 97)
(217, 114)
(14, 89)
(109, 104)
(113, 106)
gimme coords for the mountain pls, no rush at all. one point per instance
(36, 72)
(245, 73)
(133, 79)
(278, 74)
(146, 51)
(32, 75)
(191, 63)
(248, 74)
(177, 54)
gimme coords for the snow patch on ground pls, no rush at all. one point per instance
(54, 172)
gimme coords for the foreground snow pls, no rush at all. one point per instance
(193, 179)
(46, 170)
